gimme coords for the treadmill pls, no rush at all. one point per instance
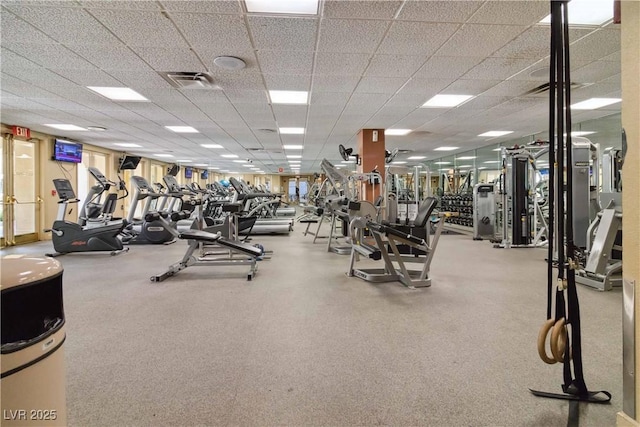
(262, 225)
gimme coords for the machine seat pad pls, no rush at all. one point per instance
(403, 234)
(307, 221)
(240, 247)
(199, 235)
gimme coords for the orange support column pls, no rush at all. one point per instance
(371, 149)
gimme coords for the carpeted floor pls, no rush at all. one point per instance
(302, 344)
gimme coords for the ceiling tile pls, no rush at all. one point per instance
(170, 58)
(447, 66)
(469, 87)
(141, 28)
(338, 83)
(199, 6)
(439, 11)
(480, 40)
(13, 61)
(370, 9)
(369, 84)
(50, 55)
(425, 88)
(116, 57)
(341, 63)
(281, 62)
(11, 24)
(120, 4)
(534, 43)
(595, 71)
(239, 80)
(498, 68)
(288, 81)
(338, 35)
(596, 45)
(140, 79)
(528, 12)
(401, 38)
(80, 27)
(283, 33)
(512, 88)
(394, 65)
(88, 77)
(221, 31)
(290, 115)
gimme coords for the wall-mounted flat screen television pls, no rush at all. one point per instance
(129, 162)
(188, 173)
(67, 151)
(204, 175)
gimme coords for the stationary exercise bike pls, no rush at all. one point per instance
(69, 236)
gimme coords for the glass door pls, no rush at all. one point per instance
(21, 207)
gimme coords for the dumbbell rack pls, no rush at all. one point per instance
(461, 204)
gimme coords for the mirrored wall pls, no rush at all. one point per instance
(458, 172)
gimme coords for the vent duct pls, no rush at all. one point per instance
(545, 88)
(189, 80)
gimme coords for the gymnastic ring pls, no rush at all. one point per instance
(559, 340)
(542, 339)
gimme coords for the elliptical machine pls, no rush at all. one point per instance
(145, 232)
(70, 237)
(95, 211)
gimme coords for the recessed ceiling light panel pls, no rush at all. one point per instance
(295, 7)
(163, 155)
(397, 132)
(288, 96)
(291, 131)
(229, 156)
(445, 148)
(416, 157)
(446, 101)
(211, 145)
(587, 12)
(495, 133)
(293, 147)
(65, 126)
(594, 103)
(182, 129)
(118, 93)
(127, 144)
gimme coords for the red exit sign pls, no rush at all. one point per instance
(22, 132)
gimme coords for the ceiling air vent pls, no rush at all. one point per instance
(545, 88)
(189, 80)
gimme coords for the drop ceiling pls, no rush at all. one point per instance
(365, 64)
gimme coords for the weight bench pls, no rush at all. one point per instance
(248, 254)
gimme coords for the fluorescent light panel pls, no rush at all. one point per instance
(587, 12)
(291, 131)
(594, 103)
(294, 161)
(445, 148)
(416, 157)
(446, 101)
(229, 156)
(582, 133)
(397, 132)
(466, 158)
(442, 163)
(183, 161)
(118, 93)
(239, 161)
(288, 96)
(163, 155)
(296, 7)
(294, 157)
(126, 144)
(492, 161)
(65, 127)
(398, 162)
(293, 147)
(211, 145)
(495, 133)
(182, 129)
